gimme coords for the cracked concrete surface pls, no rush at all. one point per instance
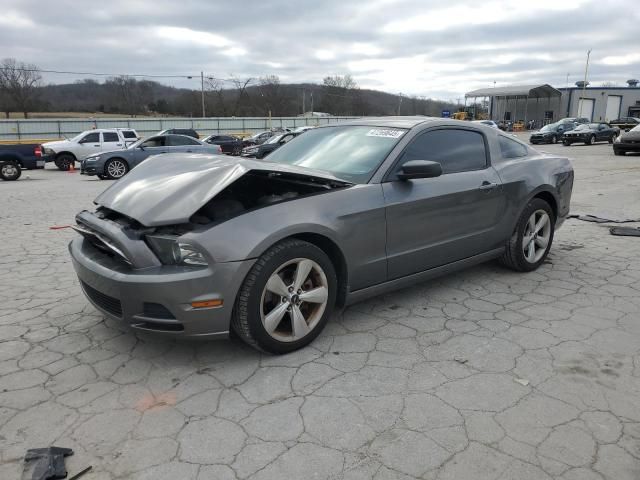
(485, 374)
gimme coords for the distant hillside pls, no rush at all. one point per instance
(131, 97)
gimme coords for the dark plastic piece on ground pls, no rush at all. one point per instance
(81, 473)
(625, 231)
(47, 463)
(596, 219)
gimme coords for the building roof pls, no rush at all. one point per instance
(534, 91)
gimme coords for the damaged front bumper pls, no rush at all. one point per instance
(154, 297)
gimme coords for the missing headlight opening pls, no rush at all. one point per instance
(258, 189)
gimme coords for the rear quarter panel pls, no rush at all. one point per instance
(525, 177)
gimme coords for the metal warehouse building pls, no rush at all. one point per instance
(545, 104)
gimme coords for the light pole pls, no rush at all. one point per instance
(399, 103)
(202, 92)
(584, 85)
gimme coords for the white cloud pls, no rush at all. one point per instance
(323, 54)
(13, 19)
(627, 59)
(187, 35)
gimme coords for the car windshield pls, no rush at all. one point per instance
(349, 152)
(549, 128)
(274, 139)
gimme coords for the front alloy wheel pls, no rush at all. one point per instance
(287, 297)
(116, 168)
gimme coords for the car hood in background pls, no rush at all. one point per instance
(626, 136)
(168, 189)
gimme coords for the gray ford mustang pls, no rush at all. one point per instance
(206, 244)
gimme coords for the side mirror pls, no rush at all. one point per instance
(420, 169)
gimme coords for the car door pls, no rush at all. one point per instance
(111, 141)
(604, 131)
(89, 144)
(436, 221)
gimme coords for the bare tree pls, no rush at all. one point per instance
(339, 94)
(271, 94)
(241, 89)
(214, 97)
(129, 95)
(19, 84)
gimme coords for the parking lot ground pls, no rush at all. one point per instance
(486, 374)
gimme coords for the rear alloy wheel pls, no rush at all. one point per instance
(612, 138)
(237, 150)
(554, 139)
(530, 243)
(64, 161)
(591, 140)
(116, 168)
(287, 297)
(10, 171)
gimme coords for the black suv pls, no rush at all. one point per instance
(189, 132)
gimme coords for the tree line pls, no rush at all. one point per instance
(22, 90)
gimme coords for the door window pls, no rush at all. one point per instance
(93, 137)
(456, 150)
(110, 137)
(154, 142)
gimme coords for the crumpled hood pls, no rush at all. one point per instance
(168, 189)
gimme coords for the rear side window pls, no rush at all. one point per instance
(129, 134)
(510, 148)
(110, 137)
(456, 150)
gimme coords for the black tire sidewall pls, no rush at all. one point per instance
(10, 178)
(591, 140)
(259, 334)
(533, 205)
(63, 162)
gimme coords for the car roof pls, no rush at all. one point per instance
(397, 122)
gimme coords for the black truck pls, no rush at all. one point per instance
(15, 157)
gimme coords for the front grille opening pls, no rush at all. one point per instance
(110, 304)
(159, 327)
(155, 310)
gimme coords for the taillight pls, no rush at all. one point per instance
(37, 151)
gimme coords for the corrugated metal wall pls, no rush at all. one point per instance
(58, 128)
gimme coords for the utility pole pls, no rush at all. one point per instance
(399, 103)
(304, 98)
(584, 85)
(202, 91)
(312, 103)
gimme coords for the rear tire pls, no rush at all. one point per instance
(612, 138)
(286, 298)
(527, 248)
(64, 161)
(10, 171)
(591, 140)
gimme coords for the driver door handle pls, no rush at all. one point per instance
(488, 186)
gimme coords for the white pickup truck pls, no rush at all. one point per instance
(64, 152)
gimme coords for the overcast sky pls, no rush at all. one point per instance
(435, 48)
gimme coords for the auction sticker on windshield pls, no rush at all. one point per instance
(385, 132)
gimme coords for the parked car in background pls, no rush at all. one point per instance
(488, 123)
(624, 123)
(64, 153)
(197, 245)
(116, 164)
(258, 138)
(551, 133)
(628, 141)
(589, 133)
(23, 155)
(229, 144)
(189, 132)
(304, 128)
(578, 120)
(275, 142)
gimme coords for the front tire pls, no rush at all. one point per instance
(10, 171)
(612, 138)
(531, 240)
(116, 168)
(286, 298)
(64, 161)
